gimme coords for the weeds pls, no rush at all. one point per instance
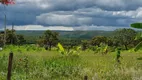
(44, 65)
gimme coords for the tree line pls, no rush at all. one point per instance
(124, 38)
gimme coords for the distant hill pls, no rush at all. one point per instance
(69, 34)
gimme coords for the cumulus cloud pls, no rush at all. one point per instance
(90, 16)
(62, 20)
(55, 19)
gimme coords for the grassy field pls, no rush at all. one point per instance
(33, 63)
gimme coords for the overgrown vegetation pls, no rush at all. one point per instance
(52, 58)
(39, 64)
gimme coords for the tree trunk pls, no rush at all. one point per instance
(50, 46)
(126, 47)
(46, 46)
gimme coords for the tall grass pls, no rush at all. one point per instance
(51, 65)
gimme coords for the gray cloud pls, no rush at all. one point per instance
(52, 19)
(73, 13)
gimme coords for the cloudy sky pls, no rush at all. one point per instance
(71, 14)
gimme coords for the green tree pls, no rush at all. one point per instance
(124, 36)
(50, 39)
(85, 44)
(1, 38)
(40, 41)
(12, 37)
(98, 40)
(110, 41)
(21, 39)
(70, 43)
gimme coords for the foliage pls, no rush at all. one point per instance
(124, 36)
(66, 52)
(23, 48)
(1, 40)
(64, 67)
(138, 46)
(98, 40)
(138, 36)
(49, 39)
(70, 43)
(84, 44)
(66, 35)
(102, 48)
(40, 41)
(62, 51)
(33, 62)
(21, 40)
(12, 38)
(44, 65)
(138, 26)
(70, 39)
